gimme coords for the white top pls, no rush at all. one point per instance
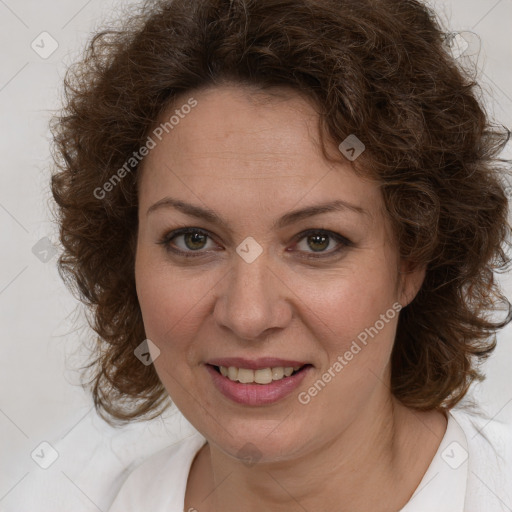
(470, 472)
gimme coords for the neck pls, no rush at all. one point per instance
(375, 463)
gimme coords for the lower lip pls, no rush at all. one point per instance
(257, 394)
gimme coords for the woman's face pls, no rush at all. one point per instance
(256, 285)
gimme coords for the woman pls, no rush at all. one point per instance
(286, 216)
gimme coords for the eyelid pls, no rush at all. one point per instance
(166, 239)
(328, 232)
(343, 242)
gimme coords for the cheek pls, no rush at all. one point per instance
(164, 312)
(172, 303)
(337, 307)
(161, 306)
(348, 303)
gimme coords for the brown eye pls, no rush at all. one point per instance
(191, 242)
(194, 241)
(318, 241)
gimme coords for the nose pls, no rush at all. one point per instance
(253, 300)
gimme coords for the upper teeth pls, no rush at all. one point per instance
(263, 376)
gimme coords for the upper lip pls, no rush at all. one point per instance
(255, 364)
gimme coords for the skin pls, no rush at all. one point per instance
(253, 158)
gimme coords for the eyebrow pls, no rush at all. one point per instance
(285, 220)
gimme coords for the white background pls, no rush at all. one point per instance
(40, 329)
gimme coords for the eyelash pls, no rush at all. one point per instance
(168, 237)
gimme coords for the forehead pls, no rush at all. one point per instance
(236, 123)
(254, 148)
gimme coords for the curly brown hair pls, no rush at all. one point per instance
(380, 69)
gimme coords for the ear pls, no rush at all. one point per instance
(410, 279)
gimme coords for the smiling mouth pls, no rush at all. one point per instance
(261, 376)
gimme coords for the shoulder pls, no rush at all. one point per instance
(159, 482)
(489, 461)
(487, 437)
